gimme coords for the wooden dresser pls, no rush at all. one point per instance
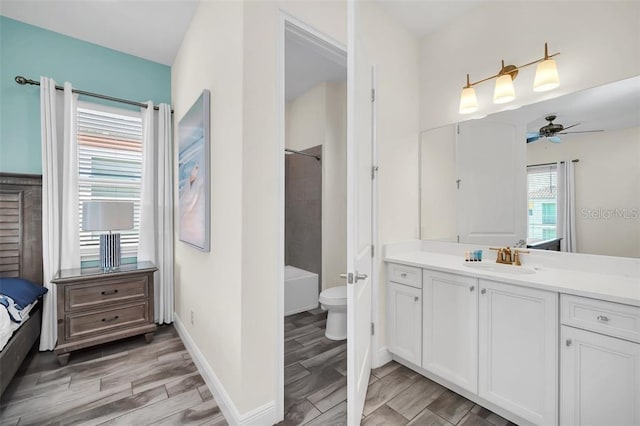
(96, 307)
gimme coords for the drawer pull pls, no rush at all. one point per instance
(108, 292)
(109, 319)
(483, 291)
(403, 275)
(602, 318)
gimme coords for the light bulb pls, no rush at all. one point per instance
(468, 101)
(546, 76)
(504, 90)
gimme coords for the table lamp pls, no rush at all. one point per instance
(108, 216)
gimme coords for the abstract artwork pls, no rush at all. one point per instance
(193, 175)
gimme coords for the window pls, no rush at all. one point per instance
(109, 168)
(542, 200)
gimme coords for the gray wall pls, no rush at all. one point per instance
(303, 211)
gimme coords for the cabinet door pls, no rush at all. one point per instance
(600, 379)
(450, 328)
(518, 350)
(404, 321)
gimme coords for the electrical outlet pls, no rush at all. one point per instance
(191, 317)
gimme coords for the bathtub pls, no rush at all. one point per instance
(300, 290)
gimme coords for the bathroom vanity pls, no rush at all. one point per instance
(550, 342)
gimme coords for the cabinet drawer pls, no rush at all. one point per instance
(83, 296)
(613, 319)
(407, 275)
(94, 323)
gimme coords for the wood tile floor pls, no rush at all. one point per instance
(400, 396)
(122, 383)
(316, 386)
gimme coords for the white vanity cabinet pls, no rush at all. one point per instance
(404, 312)
(600, 362)
(518, 335)
(450, 328)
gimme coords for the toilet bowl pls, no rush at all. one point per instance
(334, 300)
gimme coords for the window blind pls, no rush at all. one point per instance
(542, 199)
(109, 168)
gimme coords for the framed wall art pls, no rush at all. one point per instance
(193, 175)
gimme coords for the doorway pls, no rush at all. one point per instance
(311, 367)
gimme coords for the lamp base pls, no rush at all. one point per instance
(110, 252)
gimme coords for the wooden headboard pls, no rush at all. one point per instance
(21, 226)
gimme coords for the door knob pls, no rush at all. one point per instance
(473, 287)
(483, 291)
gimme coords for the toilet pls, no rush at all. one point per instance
(334, 300)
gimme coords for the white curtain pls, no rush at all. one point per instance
(60, 237)
(567, 206)
(156, 213)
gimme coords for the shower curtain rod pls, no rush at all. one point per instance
(22, 81)
(317, 157)
(552, 164)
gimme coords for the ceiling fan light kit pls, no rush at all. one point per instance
(546, 78)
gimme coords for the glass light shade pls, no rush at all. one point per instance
(546, 76)
(504, 90)
(468, 101)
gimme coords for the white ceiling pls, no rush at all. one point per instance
(423, 17)
(149, 29)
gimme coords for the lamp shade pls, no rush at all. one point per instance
(468, 101)
(546, 76)
(107, 215)
(504, 90)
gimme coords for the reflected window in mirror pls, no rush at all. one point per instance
(542, 201)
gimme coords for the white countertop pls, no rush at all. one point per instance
(611, 287)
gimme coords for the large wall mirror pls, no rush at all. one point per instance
(516, 177)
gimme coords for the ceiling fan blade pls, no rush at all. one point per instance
(581, 131)
(532, 138)
(554, 139)
(568, 127)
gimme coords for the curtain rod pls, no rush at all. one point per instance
(553, 164)
(317, 157)
(22, 81)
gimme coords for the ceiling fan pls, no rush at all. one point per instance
(551, 130)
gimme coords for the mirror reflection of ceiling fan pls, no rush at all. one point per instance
(552, 130)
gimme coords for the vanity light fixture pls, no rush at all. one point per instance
(546, 79)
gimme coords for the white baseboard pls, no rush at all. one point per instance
(264, 415)
(381, 357)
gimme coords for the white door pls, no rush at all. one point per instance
(450, 327)
(492, 183)
(404, 321)
(600, 383)
(518, 350)
(359, 218)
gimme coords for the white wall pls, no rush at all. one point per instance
(319, 117)
(599, 43)
(438, 184)
(607, 177)
(210, 284)
(395, 53)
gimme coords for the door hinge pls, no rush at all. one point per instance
(373, 329)
(373, 95)
(458, 182)
(373, 250)
(458, 238)
(374, 169)
(457, 128)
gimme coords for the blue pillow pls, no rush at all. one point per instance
(22, 292)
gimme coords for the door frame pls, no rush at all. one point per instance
(286, 20)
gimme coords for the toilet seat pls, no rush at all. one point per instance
(334, 295)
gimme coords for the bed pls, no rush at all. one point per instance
(20, 257)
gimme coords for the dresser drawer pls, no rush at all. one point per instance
(124, 289)
(613, 319)
(407, 275)
(93, 323)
